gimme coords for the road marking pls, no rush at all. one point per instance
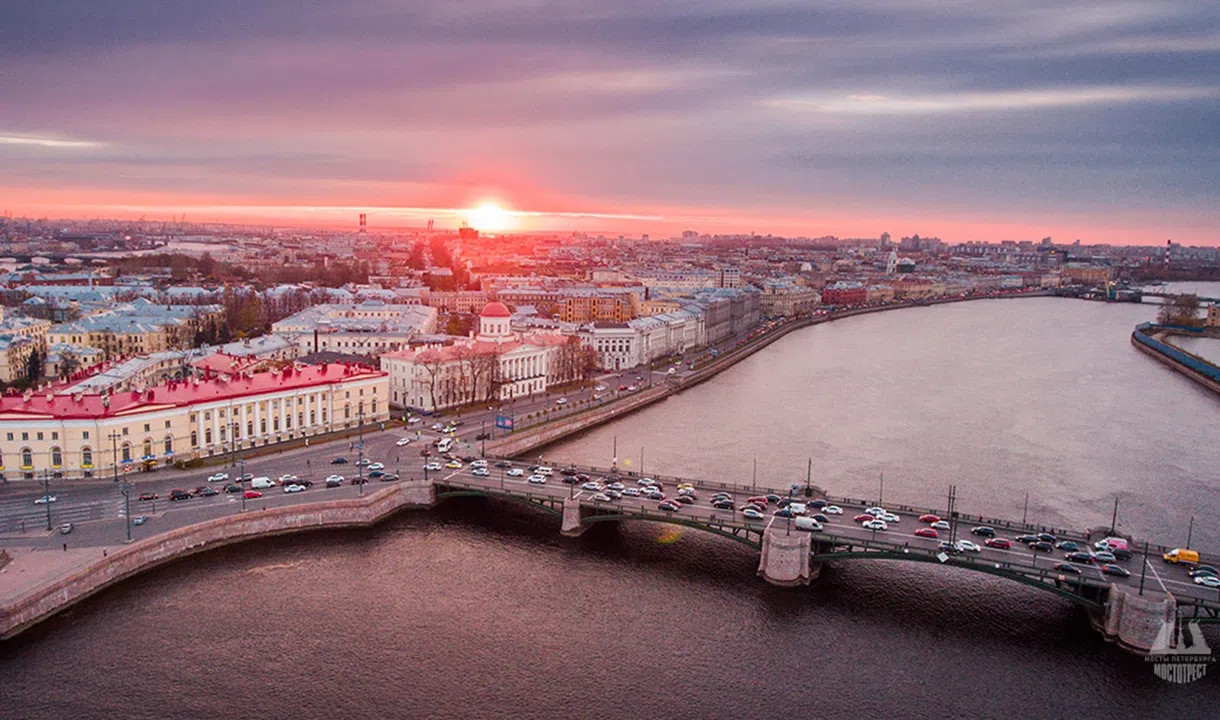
(1156, 575)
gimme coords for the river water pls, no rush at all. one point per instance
(481, 610)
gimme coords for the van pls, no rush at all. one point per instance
(545, 471)
(261, 483)
(1181, 555)
(445, 445)
(807, 523)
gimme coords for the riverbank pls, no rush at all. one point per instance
(1151, 339)
(36, 584)
(534, 438)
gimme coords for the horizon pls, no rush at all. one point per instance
(1079, 120)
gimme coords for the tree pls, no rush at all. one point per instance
(34, 365)
(69, 362)
(1181, 310)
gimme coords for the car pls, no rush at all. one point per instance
(544, 470)
(685, 499)
(537, 479)
(374, 474)
(940, 525)
(66, 528)
(179, 495)
(784, 513)
(480, 472)
(253, 494)
(1047, 537)
(503, 464)
(562, 401)
(1210, 581)
(218, 477)
(622, 387)
(863, 518)
(515, 472)
(875, 511)
(818, 504)
(438, 426)
(983, 531)
(1122, 553)
(294, 488)
(389, 477)
(1104, 557)
(722, 504)
(457, 423)
(139, 520)
(760, 499)
(1116, 570)
(876, 525)
(1079, 557)
(631, 492)
(591, 486)
(654, 494)
(147, 496)
(339, 461)
(614, 494)
(1042, 546)
(413, 421)
(805, 523)
(1067, 545)
(631, 388)
(890, 518)
(334, 481)
(821, 518)
(669, 506)
(998, 543)
(832, 510)
(752, 514)
(433, 467)
(929, 518)
(948, 547)
(600, 497)
(968, 546)
(617, 486)
(1203, 570)
(403, 441)
(43, 500)
(772, 498)
(927, 532)
(376, 466)
(357, 480)
(262, 483)
(600, 388)
(208, 492)
(478, 463)
(365, 461)
(233, 488)
(287, 479)
(1068, 568)
(425, 452)
(1027, 539)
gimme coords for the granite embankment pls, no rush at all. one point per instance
(1152, 340)
(524, 441)
(27, 606)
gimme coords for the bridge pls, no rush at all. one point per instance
(1130, 611)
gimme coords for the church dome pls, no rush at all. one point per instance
(495, 309)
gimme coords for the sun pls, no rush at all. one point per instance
(489, 217)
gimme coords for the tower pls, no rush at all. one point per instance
(364, 227)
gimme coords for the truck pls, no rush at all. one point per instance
(1181, 555)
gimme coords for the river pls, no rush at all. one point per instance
(481, 610)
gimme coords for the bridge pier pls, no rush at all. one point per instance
(1138, 624)
(785, 558)
(417, 493)
(573, 519)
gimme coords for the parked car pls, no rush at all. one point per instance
(334, 481)
(1042, 546)
(1067, 545)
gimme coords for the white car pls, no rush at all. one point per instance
(832, 510)
(633, 492)
(480, 471)
(561, 401)
(643, 481)
(45, 499)
(288, 479)
(334, 478)
(968, 546)
(294, 488)
(262, 483)
(218, 477)
(601, 497)
(616, 486)
(1210, 581)
(438, 426)
(940, 525)
(413, 421)
(538, 479)
(876, 525)
(545, 471)
(479, 464)
(433, 467)
(600, 388)
(591, 487)
(875, 511)
(515, 472)
(377, 466)
(631, 388)
(890, 518)
(403, 441)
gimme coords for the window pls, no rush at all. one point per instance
(57, 457)
(167, 424)
(147, 427)
(25, 436)
(194, 439)
(27, 458)
(84, 435)
(169, 445)
(124, 431)
(55, 435)
(126, 457)
(262, 426)
(249, 428)
(10, 436)
(347, 412)
(275, 423)
(147, 447)
(39, 436)
(86, 457)
(207, 436)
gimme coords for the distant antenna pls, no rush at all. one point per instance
(430, 221)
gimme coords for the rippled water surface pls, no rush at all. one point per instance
(481, 610)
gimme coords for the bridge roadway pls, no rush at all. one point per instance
(842, 532)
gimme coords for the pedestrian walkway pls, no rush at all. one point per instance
(32, 567)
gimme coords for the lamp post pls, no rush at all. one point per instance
(241, 483)
(360, 463)
(483, 438)
(125, 488)
(46, 495)
(1189, 531)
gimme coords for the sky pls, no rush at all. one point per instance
(969, 120)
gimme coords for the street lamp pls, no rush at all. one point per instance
(46, 495)
(360, 463)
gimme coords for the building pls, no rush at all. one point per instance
(1079, 274)
(15, 351)
(784, 297)
(845, 292)
(84, 434)
(496, 364)
(615, 344)
(140, 327)
(603, 305)
(455, 301)
(1213, 316)
(369, 328)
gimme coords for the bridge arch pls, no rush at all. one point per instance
(534, 503)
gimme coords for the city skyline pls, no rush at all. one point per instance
(1081, 120)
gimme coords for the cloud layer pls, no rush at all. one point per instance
(974, 120)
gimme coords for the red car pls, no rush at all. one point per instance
(927, 532)
(148, 496)
(929, 519)
(760, 499)
(863, 517)
(252, 494)
(1001, 543)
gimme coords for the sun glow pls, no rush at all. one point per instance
(490, 217)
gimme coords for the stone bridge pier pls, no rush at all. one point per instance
(417, 493)
(785, 557)
(1138, 624)
(573, 519)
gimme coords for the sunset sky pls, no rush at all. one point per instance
(968, 120)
